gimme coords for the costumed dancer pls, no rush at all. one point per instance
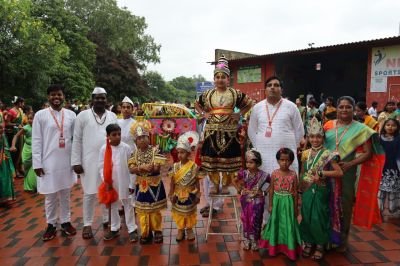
(150, 196)
(30, 183)
(281, 234)
(252, 184)
(184, 192)
(89, 137)
(389, 190)
(207, 184)
(318, 165)
(115, 155)
(221, 154)
(7, 171)
(52, 132)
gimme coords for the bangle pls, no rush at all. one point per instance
(320, 174)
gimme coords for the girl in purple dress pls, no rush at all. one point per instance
(252, 187)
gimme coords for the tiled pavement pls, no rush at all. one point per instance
(22, 226)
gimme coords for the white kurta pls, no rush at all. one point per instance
(89, 136)
(287, 131)
(46, 153)
(126, 136)
(120, 170)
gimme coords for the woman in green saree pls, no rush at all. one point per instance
(7, 171)
(30, 183)
(347, 137)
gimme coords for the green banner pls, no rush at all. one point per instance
(249, 74)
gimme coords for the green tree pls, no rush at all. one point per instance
(76, 70)
(119, 75)
(30, 52)
(118, 29)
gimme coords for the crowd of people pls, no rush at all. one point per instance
(303, 173)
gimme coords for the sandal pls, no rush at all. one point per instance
(158, 237)
(87, 232)
(307, 250)
(205, 209)
(207, 213)
(318, 253)
(145, 240)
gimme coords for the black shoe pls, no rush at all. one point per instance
(111, 235)
(68, 229)
(50, 233)
(133, 236)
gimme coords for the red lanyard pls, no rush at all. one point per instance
(60, 127)
(273, 115)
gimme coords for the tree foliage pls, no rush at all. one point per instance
(29, 50)
(180, 89)
(81, 43)
(74, 42)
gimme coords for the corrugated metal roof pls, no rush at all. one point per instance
(328, 47)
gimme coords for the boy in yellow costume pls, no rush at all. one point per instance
(149, 189)
(185, 189)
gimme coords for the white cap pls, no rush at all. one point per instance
(127, 100)
(99, 90)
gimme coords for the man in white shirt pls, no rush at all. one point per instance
(275, 123)
(52, 132)
(89, 136)
(372, 111)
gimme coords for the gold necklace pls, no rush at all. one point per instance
(221, 96)
(337, 141)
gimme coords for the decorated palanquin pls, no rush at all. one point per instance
(168, 121)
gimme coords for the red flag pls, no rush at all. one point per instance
(107, 193)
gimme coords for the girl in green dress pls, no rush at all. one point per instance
(318, 164)
(30, 176)
(7, 171)
(281, 234)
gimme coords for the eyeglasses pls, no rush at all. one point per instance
(275, 85)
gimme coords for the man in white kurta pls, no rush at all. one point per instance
(89, 137)
(125, 124)
(275, 123)
(121, 181)
(52, 132)
(287, 132)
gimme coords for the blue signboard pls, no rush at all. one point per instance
(203, 86)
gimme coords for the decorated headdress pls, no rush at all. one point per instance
(222, 66)
(141, 128)
(250, 155)
(314, 127)
(253, 155)
(188, 140)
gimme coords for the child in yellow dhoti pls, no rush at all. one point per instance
(185, 190)
(150, 194)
